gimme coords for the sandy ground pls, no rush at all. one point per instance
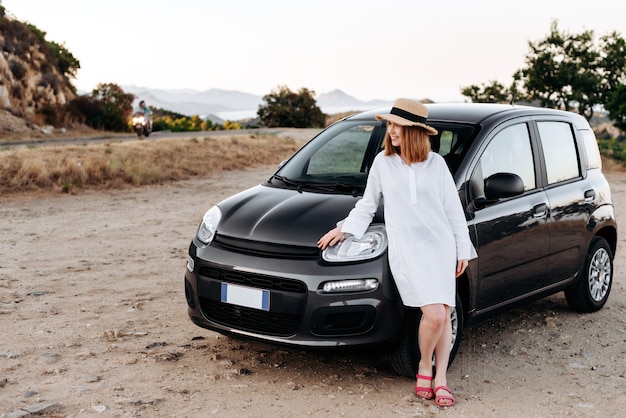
(93, 322)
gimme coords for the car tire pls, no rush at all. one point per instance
(405, 356)
(591, 290)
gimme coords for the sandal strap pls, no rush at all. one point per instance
(444, 388)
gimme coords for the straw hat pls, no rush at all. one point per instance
(406, 112)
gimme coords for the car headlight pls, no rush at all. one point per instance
(372, 244)
(344, 286)
(210, 220)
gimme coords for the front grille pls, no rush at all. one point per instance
(287, 301)
(254, 280)
(265, 249)
(252, 320)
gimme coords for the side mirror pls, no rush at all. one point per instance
(499, 186)
(503, 185)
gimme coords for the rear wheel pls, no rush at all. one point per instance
(591, 291)
(405, 356)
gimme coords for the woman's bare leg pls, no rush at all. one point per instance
(442, 357)
(442, 351)
(430, 332)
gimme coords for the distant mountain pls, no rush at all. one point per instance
(193, 102)
(338, 98)
(217, 101)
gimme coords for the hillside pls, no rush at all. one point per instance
(31, 86)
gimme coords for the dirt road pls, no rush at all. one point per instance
(93, 322)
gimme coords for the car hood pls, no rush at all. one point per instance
(282, 216)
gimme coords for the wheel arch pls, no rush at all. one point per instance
(609, 233)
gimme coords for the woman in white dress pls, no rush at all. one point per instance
(429, 243)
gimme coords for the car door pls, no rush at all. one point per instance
(512, 234)
(570, 199)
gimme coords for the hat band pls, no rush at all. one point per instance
(407, 115)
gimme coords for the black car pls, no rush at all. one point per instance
(538, 208)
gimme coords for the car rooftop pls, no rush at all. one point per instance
(466, 112)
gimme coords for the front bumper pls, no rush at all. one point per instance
(299, 314)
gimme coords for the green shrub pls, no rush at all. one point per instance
(613, 148)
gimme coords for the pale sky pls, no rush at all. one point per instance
(369, 49)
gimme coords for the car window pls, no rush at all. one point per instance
(445, 145)
(559, 150)
(591, 147)
(510, 152)
(451, 142)
(344, 154)
(341, 154)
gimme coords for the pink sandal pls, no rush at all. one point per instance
(426, 392)
(443, 400)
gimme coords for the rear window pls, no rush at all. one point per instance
(591, 149)
(559, 150)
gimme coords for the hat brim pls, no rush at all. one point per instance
(398, 120)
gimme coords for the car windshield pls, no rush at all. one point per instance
(338, 160)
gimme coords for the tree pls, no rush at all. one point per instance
(566, 71)
(108, 107)
(488, 93)
(613, 68)
(117, 105)
(285, 108)
(572, 72)
(616, 105)
(87, 111)
(555, 67)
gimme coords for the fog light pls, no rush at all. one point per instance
(190, 264)
(341, 286)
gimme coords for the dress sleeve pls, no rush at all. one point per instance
(456, 216)
(363, 212)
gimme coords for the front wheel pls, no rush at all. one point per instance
(406, 355)
(591, 290)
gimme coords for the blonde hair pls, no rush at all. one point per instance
(414, 144)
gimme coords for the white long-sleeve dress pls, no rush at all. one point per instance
(425, 222)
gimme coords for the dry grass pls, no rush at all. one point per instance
(72, 168)
(117, 165)
(612, 166)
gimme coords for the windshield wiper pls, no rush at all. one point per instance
(327, 187)
(288, 182)
(285, 180)
(336, 186)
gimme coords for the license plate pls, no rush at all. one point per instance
(245, 296)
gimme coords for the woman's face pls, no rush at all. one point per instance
(395, 132)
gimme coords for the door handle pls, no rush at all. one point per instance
(540, 210)
(590, 195)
